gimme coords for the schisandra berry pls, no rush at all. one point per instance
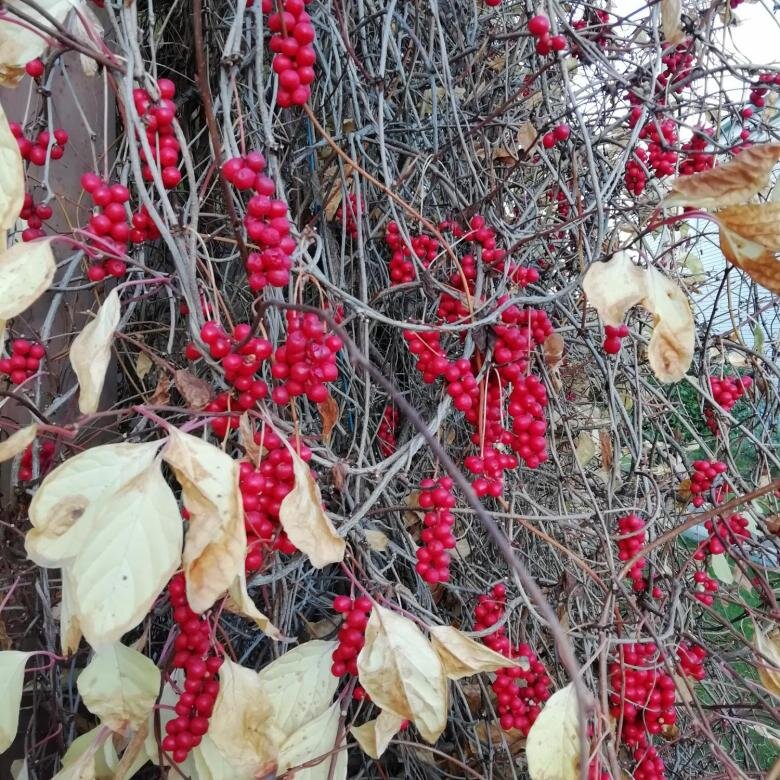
(387, 431)
(46, 145)
(691, 659)
(291, 41)
(704, 474)
(348, 216)
(45, 458)
(704, 588)
(433, 560)
(351, 636)
(158, 117)
(24, 360)
(726, 391)
(401, 266)
(613, 335)
(631, 540)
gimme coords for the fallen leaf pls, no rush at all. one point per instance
(196, 392)
(605, 445)
(319, 629)
(120, 686)
(26, 272)
(553, 745)
(239, 602)
(12, 664)
(329, 411)
(17, 442)
(303, 520)
(552, 349)
(670, 21)
(90, 353)
(614, 287)
(215, 545)
(376, 540)
(374, 735)
(411, 515)
(729, 184)
(769, 671)
(402, 673)
(461, 656)
(161, 395)
(316, 738)
(12, 184)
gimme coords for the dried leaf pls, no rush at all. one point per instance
(329, 411)
(374, 736)
(585, 448)
(196, 392)
(12, 664)
(17, 442)
(552, 349)
(12, 184)
(492, 734)
(90, 353)
(120, 686)
(26, 271)
(670, 21)
(161, 395)
(246, 437)
(614, 287)
(298, 686)
(402, 673)
(553, 746)
(70, 628)
(769, 671)
(240, 602)
(215, 545)
(605, 445)
(143, 365)
(316, 738)
(729, 184)
(303, 520)
(461, 656)
(377, 541)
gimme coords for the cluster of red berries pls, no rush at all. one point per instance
(38, 150)
(613, 337)
(387, 429)
(401, 266)
(696, 158)
(539, 27)
(704, 588)
(704, 473)
(661, 138)
(678, 62)
(489, 611)
(24, 361)
(691, 659)
(306, 361)
(649, 764)
(722, 533)
(527, 403)
(631, 541)
(636, 172)
(35, 216)
(109, 224)
(433, 560)
(595, 27)
(642, 694)
(726, 391)
(291, 41)
(158, 116)
(262, 491)
(194, 655)
(266, 222)
(45, 458)
(352, 634)
(758, 91)
(348, 216)
(558, 135)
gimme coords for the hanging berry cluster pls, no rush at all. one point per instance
(726, 391)
(631, 540)
(433, 560)
(45, 460)
(158, 117)
(704, 474)
(23, 362)
(386, 432)
(46, 144)
(348, 215)
(351, 636)
(291, 41)
(539, 27)
(401, 266)
(35, 216)
(613, 338)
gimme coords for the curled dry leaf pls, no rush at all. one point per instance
(90, 353)
(195, 391)
(402, 673)
(374, 735)
(315, 739)
(303, 520)
(26, 271)
(246, 437)
(17, 442)
(12, 184)
(769, 670)
(329, 411)
(729, 184)
(215, 545)
(240, 602)
(552, 349)
(553, 745)
(461, 656)
(614, 287)
(120, 686)
(12, 664)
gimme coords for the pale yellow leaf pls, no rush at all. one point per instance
(120, 686)
(12, 184)
(585, 448)
(461, 656)
(374, 736)
(402, 673)
(316, 738)
(143, 365)
(12, 664)
(729, 184)
(553, 745)
(70, 628)
(298, 685)
(19, 769)
(303, 520)
(101, 747)
(670, 21)
(17, 442)
(26, 272)
(614, 287)
(769, 670)
(215, 545)
(240, 602)
(208, 762)
(90, 353)
(376, 540)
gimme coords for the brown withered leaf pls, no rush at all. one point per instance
(196, 392)
(729, 184)
(670, 21)
(552, 349)
(330, 412)
(492, 734)
(162, 393)
(605, 443)
(246, 437)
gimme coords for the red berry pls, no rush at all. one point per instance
(35, 68)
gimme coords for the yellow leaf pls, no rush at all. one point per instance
(143, 365)
(670, 21)
(374, 736)
(215, 546)
(729, 184)
(553, 745)
(769, 671)
(70, 628)
(377, 541)
(17, 442)
(12, 184)
(585, 448)
(314, 739)
(240, 602)
(303, 520)
(402, 673)
(90, 353)
(461, 656)
(298, 686)
(12, 664)
(208, 762)
(614, 287)
(120, 686)
(104, 757)
(26, 271)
